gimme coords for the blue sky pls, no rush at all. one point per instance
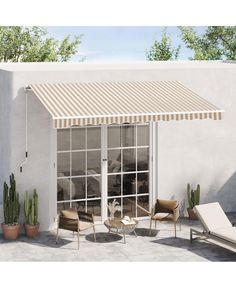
(110, 43)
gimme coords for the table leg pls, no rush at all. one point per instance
(135, 234)
(124, 238)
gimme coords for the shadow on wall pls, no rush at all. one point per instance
(226, 195)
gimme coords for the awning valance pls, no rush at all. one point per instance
(122, 102)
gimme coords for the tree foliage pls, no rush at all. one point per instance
(216, 43)
(23, 44)
(163, 49)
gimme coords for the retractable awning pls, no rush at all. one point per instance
(122, 102)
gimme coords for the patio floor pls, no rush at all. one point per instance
(161, 246)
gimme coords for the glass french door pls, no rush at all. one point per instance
(87, 181)
(128, 168)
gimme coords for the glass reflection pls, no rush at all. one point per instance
(94, 138)
(94, 187)
(114, 161)
(129, 160)
(143, 135)
(78, 163)
(78, 138)
(63, 139)
(63, 164)
(143, 159)
(114, 185)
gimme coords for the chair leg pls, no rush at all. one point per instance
(78, 240)
(175, 228)
(57, 235)
(94, 234)
(150, 230)
(155, 224)
(180, 225)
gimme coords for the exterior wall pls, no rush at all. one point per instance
(188, 151)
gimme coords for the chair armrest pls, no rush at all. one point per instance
(176, 212)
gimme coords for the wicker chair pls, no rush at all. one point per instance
(75, 221)
(165, 210)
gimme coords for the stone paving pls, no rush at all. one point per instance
(160, 246)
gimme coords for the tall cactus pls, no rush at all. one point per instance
(11, 202)
(31, 208)
(193, 196)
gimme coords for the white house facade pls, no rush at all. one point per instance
(139, 134)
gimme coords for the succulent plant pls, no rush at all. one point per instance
(193, 196)
(31, 208)
(11, 204)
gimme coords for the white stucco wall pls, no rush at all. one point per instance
(188, 151)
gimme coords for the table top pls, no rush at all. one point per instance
(116, 223)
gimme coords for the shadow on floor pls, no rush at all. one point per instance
(103, 237)
(44, 239)
(144, 232)
(202, 248)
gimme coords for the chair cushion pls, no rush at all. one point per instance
(165, 206)
(71, 214)
(228, 234)
(83, 225)
(212, 216)
(163, 216)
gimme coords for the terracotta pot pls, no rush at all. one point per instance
(11, 232)
(191, 214)
(31, 230)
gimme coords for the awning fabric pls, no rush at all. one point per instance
(122, 102)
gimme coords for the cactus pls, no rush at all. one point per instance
(11, 202)
(31, 208)
(193, 196)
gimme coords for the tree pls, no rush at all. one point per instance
(23, 44)
(216, 43)
(163, 50)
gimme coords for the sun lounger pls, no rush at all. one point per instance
(215, 223)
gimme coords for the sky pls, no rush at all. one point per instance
(118, 43)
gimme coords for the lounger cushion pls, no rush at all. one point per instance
(212, 216)
(228, 234)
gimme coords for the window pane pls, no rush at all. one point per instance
(142, 201)
(93, 162)
(78, 138)
(129, 184)
(78, 163)
(93, 187)
(114, 185)
(114, 136)
(63, 206)
(63, 139)
(129, 206)
(63, 189)
(128, 135)
(94, 207)
(63, 164)
(143, 159)
(94, 138)
(142, 184)
(129, 160)
(143, 135)
(80, 205)
(78, 188)
(117, 212)
(114, 161)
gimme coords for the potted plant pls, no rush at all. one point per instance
(11, 208)
(193, 199)
(31, 214)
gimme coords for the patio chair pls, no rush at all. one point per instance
(165, 210)
(215, 223)
(75, 221)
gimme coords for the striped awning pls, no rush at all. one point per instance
(122, 102)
